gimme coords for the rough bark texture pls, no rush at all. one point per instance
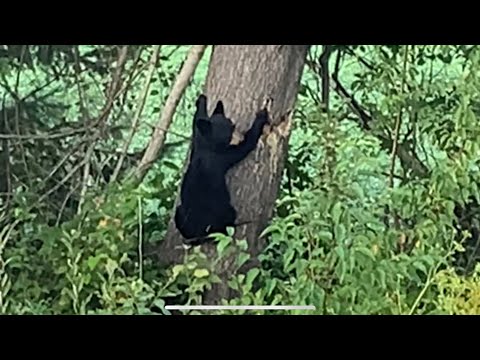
(243, 76)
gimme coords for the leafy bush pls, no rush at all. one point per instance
(458, 295)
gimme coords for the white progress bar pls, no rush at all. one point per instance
(239, 307)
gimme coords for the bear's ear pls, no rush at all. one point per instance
(201, 103)
(205, 127)
(219, 109)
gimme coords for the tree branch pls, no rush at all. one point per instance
(364, 120)
(178, 89)
(114, 91)
(325, 74)
(141, 105)
(398, 123)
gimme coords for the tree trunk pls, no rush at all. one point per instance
(243, 76)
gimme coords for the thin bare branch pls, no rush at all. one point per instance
(141, 105)
(113, 92)
(19, 72)
(398, 123)
(86, 173)
(325, 75)
(47, 84)
(64, 203)
(19, 144)
(58, 135)
(74, 149)
(116, 83)
(363, 116)
(132, 76)
(60, 183)
(81, 94)
(359, 58)
(158, 138)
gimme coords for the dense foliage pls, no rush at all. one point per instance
(377, 213)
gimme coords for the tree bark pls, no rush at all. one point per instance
(243, 76)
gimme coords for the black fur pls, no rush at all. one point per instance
(205, 201)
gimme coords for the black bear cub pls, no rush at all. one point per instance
(205, 201)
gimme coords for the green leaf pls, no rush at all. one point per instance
(318, 297)
(222, 245)
(215, 279)
(242, 245)
(92, 261)
(111, 266)
(367, 252)
(230, 231)
(340, 233)
(325, 235)
(288, 256)
(358, 190)
(252, 274)
(340, 251)
(242, 258)
(336, 213)
(201, 273)
(420, 266)
(160, 303)
(177, 269)
(361, 239)
(191, 265)
(271, 286)
(382, 275)
(233, 284)
(352, 263)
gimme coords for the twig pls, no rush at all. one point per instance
(60, 183)
(398, 123)
(113, 93)
(153, 127)
(4, 278)
(58, 135)
(364, 118)
(311, 62)
(57, 167)
(141, 105)
(156, 142)
(140, 238)
(337, 63)
(67, 133)
(20, 145)
(430, 279)
(177, 47)
(116, 81)
(19, 72)
(6, 146)
(314, 66)
(64, 203)
(130, 78)
(86, 173)
(325, 74)
(133, 75)
(81, 95)
(48, 83)
(396, 136)
(359, 58)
